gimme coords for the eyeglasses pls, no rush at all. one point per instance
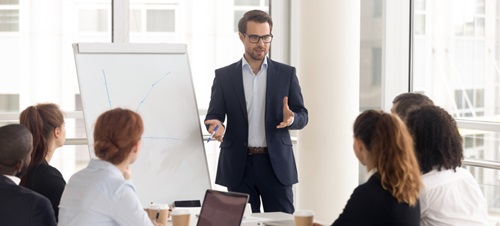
(256, 38)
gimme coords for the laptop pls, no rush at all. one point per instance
(222, 208)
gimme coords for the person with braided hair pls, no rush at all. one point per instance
(103, 194)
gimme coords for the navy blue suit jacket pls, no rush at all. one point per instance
(228, 100)
(23, 207)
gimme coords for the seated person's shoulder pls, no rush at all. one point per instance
(372, 191)
(35, 208)
(47, 169)
(19, 195)
(26, 193)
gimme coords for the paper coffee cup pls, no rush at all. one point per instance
(303, 217)
(158, 213)
(180, 217)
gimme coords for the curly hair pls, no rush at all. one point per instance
(438, 143)
(406, 102)
(387, 139)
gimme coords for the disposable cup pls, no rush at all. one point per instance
(180, 217)
(158, 213)
(303, 217)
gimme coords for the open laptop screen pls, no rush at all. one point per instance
(222, 208)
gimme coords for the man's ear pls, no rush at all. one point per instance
(19, 166)
(242, 37)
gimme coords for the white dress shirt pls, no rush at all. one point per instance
(254, 86)
(14, 179)
(452, 198)
(99, 195)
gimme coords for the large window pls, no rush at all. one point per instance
(456, 63)
(9, 103)
(93, 20)
(38, 64)
(370, 62)
(153, 17)
(9, 15)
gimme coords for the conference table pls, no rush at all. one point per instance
(269, 218)
(254, 219)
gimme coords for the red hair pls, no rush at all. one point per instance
(116, 132)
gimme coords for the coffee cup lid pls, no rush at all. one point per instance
(177, 211)
(158, 206)
(304, 213)
(153, 206)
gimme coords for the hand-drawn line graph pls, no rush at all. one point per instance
(152, 87)
(143, 99)
(140, 103)
(154, 79)
(106, 85)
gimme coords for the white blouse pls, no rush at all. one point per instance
(452, 198)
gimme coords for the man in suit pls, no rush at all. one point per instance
(19, 206)
(261, 99)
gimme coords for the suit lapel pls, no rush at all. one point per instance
(237, 80)
(271, 84)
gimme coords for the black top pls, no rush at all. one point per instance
(371, 205)
(47, 181)
(23, 207)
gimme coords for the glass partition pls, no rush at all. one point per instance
(456, 63)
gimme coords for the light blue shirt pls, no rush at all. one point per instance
(99, 195)
(255, 97)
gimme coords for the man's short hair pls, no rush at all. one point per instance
(258, 16)
(407, 102)
(15, 144)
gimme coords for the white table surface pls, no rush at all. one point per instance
(254, 219)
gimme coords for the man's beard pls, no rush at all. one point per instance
(256, 57)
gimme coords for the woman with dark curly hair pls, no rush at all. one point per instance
(451, 195)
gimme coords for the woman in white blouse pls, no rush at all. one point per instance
(102, 193)
(451, 195)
